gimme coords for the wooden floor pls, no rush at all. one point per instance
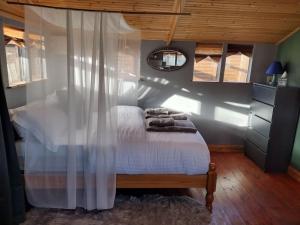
(246, 195)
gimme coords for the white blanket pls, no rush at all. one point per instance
(138, 151)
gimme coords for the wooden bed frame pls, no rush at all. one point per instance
(207, 181)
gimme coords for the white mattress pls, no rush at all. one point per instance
(139, 151)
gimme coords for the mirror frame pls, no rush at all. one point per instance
(167, 48)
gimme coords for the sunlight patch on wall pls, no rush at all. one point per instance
(185, 90)
(164, 81)
(183, 104)
(246, 106)
(231, 117)
(157, 80)
(143, 92)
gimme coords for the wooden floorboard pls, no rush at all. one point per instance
(258, 198)
(247, 195)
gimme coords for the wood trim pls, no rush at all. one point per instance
(226, 148)
(287, 36)
(178, 4)
(294, 173)
(161, 181)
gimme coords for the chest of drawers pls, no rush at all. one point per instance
(273, 123)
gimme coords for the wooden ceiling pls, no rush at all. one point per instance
(267, 21)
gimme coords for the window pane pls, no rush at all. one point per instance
(169, 59)
(13, 65)
(206, 70)
(15, 56)
(237, 63)
(37, 58)
(180, 59)
(207, 62)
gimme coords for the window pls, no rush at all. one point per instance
(15, 56)
(207, 62)
(237, 63)
(17, 60)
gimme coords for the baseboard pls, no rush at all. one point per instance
(294, 173)
(226, 148)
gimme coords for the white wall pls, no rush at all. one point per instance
(219, 110)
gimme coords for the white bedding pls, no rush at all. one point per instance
(138, 152)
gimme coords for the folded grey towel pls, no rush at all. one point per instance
(172, 111)
(179, 116)
(156, 111)
(185, 126)
(160, 122)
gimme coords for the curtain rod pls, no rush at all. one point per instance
(105, 11)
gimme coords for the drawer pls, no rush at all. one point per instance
(254, 153)
(262, 110)
(261, 126)
(258, 139)
(264, 94)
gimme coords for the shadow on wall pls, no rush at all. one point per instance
(219, 110)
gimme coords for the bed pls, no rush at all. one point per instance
(143, 159)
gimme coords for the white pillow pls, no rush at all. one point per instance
(45, 120)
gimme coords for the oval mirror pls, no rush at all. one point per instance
(167, 59)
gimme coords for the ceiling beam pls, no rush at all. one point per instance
(178, 4)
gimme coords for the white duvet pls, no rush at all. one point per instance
(138, 151)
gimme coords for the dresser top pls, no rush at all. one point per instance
(265, 85)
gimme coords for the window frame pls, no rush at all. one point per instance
(221, 74)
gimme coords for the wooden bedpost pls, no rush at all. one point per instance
(211, 185)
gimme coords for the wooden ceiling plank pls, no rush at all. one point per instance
(83, 5)
(276, 6)
(124, 5)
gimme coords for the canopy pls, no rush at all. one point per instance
(82, 65)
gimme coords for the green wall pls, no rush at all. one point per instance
(289, 53)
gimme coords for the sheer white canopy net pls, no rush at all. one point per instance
(90, 64)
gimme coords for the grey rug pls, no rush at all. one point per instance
(144, 210)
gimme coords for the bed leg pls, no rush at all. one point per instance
(211, 186)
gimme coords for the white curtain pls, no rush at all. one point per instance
(129, 68)
(71, 116)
